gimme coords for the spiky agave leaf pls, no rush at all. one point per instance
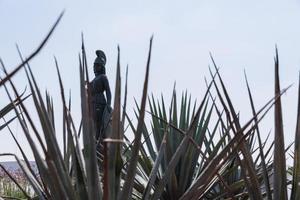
(197, 190)
(22, 151)
(88, 132)
(33, 54)
(179, 152)
(197, 174)
(248, 168)
(280, 189)
(160, 119)
(43, 171)
(131, 170)
(53, 156)
(112, 158)
(295, 194)
(71, 148)
(9, 107)
(261, 152)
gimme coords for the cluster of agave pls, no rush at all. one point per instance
(185, 154)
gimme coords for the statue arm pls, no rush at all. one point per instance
(107, 92)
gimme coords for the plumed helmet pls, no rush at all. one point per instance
(101, 58)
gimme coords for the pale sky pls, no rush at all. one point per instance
(240, 34)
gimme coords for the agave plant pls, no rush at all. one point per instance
(72, 173)
(186, 148)
(187, 151)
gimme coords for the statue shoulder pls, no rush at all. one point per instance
(103, 77)
(100, 78)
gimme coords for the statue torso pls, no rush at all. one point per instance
(97, 90)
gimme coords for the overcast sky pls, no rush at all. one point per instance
(241, 35)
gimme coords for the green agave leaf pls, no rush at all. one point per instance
(179, 151)
(155, 168)
(174, 137)
(145, 161)
(191, 157)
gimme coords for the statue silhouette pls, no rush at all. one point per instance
(98, 86)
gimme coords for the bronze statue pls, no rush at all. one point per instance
(98, 86)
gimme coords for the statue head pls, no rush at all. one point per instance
(99, 63)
